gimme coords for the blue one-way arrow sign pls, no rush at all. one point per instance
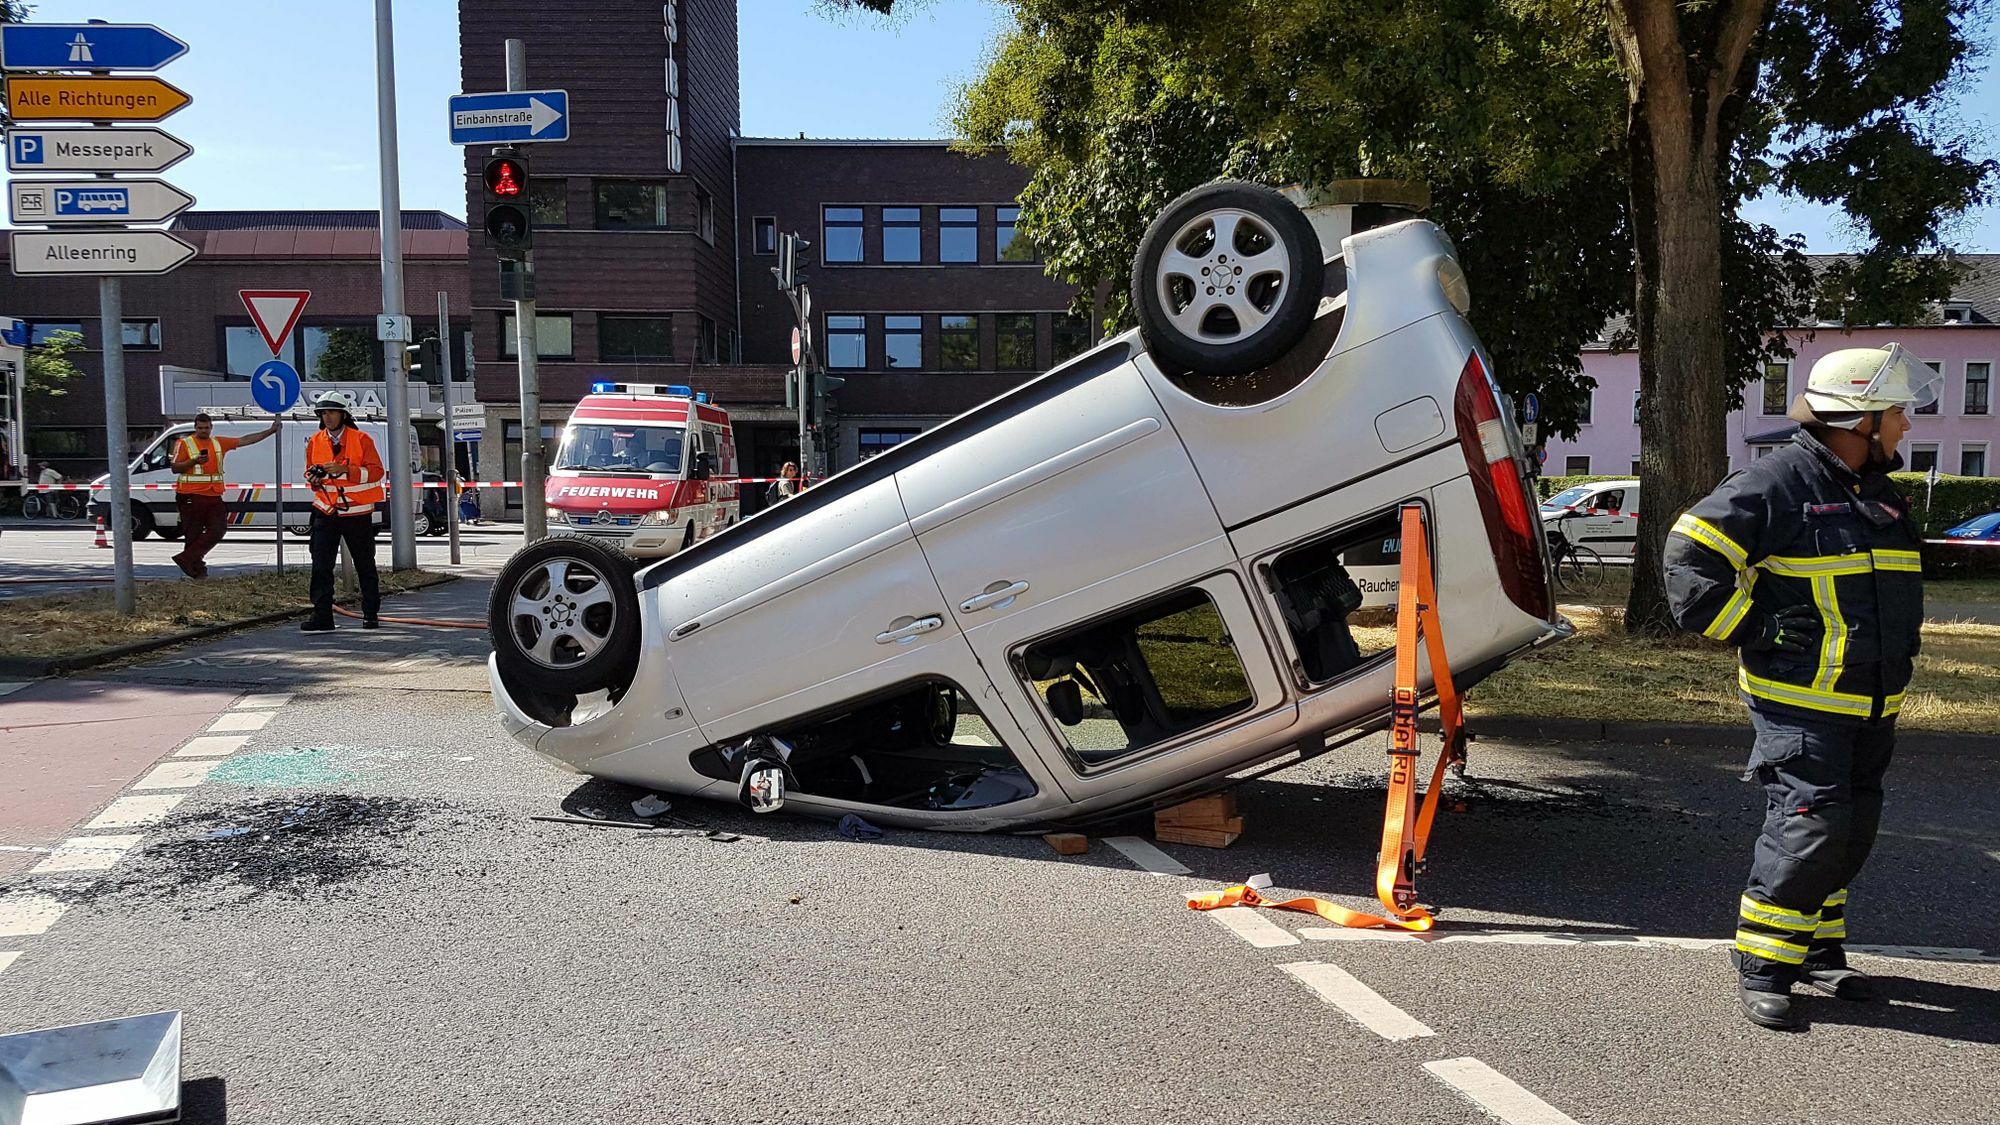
(87, 46)
(518, 115)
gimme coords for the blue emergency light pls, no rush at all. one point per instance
(678, 391)
(603, 386)
(701, 396)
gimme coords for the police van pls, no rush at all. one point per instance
(643, 468)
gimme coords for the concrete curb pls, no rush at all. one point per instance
(1707, 735)
(35, 668)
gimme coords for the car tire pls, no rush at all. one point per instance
(423, 525)
(142, 523)
(1271, 264)
(564, 617)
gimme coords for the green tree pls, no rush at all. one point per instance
(1588, 157)
(349, 357)
(50, 370)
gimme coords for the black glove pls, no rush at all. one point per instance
(1795, 629)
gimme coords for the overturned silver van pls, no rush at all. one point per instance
(1105, 590)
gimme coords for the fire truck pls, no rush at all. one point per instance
(647, 468)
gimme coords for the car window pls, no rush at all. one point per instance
(161, 456)
(1566, 497)
(1145, 676)
(620, 448)
(1612, 501)
(1337, 596)
(1983, 524)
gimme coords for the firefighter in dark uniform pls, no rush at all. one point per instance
(1807, 561)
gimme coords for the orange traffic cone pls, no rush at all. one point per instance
(101, 540)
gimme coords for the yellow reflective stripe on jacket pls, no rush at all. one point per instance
(1816, 566)
(1733, 612)
(1710, 536)
(1837, 898)
(1774, 915)
(1889, 558)
(1812, 698)
(187, 449)
(1833, 644)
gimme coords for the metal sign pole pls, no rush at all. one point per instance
(450, 424)
(534, 498)
(278, 501)
(402, 529)
(111, 311)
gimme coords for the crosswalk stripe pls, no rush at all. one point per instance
(1146, 855)
(1496, 1093)
(212, 746)
(1363, 1004)
(85, 853)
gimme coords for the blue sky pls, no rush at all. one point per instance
(284, 112)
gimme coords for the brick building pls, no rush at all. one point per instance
(192, 318)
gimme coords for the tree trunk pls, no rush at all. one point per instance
(1678, 93)
(1683, 418)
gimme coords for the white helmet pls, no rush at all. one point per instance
(1852, 382)
(333, 400)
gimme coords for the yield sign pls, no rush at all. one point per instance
(275, 312)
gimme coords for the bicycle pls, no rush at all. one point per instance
(52, 505)
(1579, 570)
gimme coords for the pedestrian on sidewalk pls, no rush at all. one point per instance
(345, 472)
(785, 487)
(1808, 562)
(198, 488)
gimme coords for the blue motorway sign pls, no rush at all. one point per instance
(275, 386)
(518, 115)
(87, 46)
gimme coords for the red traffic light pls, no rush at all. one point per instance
(506, 177)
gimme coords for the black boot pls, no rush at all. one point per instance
(1768, 1009)
(1845, 983)
(316, 625)
(371, 623)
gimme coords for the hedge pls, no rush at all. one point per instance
(1952, 502)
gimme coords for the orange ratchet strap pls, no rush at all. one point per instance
(1406, 828)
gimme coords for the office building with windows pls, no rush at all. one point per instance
(1958, 434)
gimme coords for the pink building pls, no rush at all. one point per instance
(1959, 434)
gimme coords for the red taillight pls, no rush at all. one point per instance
(1503, 493)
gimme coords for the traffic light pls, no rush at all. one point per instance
(825, 384)
(508, 226)
(426, 366)
(790, 249)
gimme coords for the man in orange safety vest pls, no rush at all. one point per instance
(198, 488)
(345, 472)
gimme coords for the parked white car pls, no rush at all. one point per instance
(1603, 516)
(1102, 591)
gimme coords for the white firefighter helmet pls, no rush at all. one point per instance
(333, 400)
(1847, 384)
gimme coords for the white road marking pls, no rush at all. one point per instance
(7, 958)
(136, 811)
(1146, 855)
(212, 746)
(1366, 1006)
(1250, 924)
(1496, 1093)
(26, 917)
(85, 853)
(240, 720)
(256, 702)
(176, 775)
(9, 687)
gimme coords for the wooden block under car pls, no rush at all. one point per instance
(1199, 837)
(1068, 843)
(1205, 812)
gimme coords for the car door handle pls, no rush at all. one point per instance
(903, 634)
(992, 598)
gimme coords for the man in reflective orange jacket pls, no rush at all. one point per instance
(198, 488)
(345, 472)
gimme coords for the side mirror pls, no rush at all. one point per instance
(704, 465)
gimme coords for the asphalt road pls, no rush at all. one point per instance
(407, 946)
(41, 557)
